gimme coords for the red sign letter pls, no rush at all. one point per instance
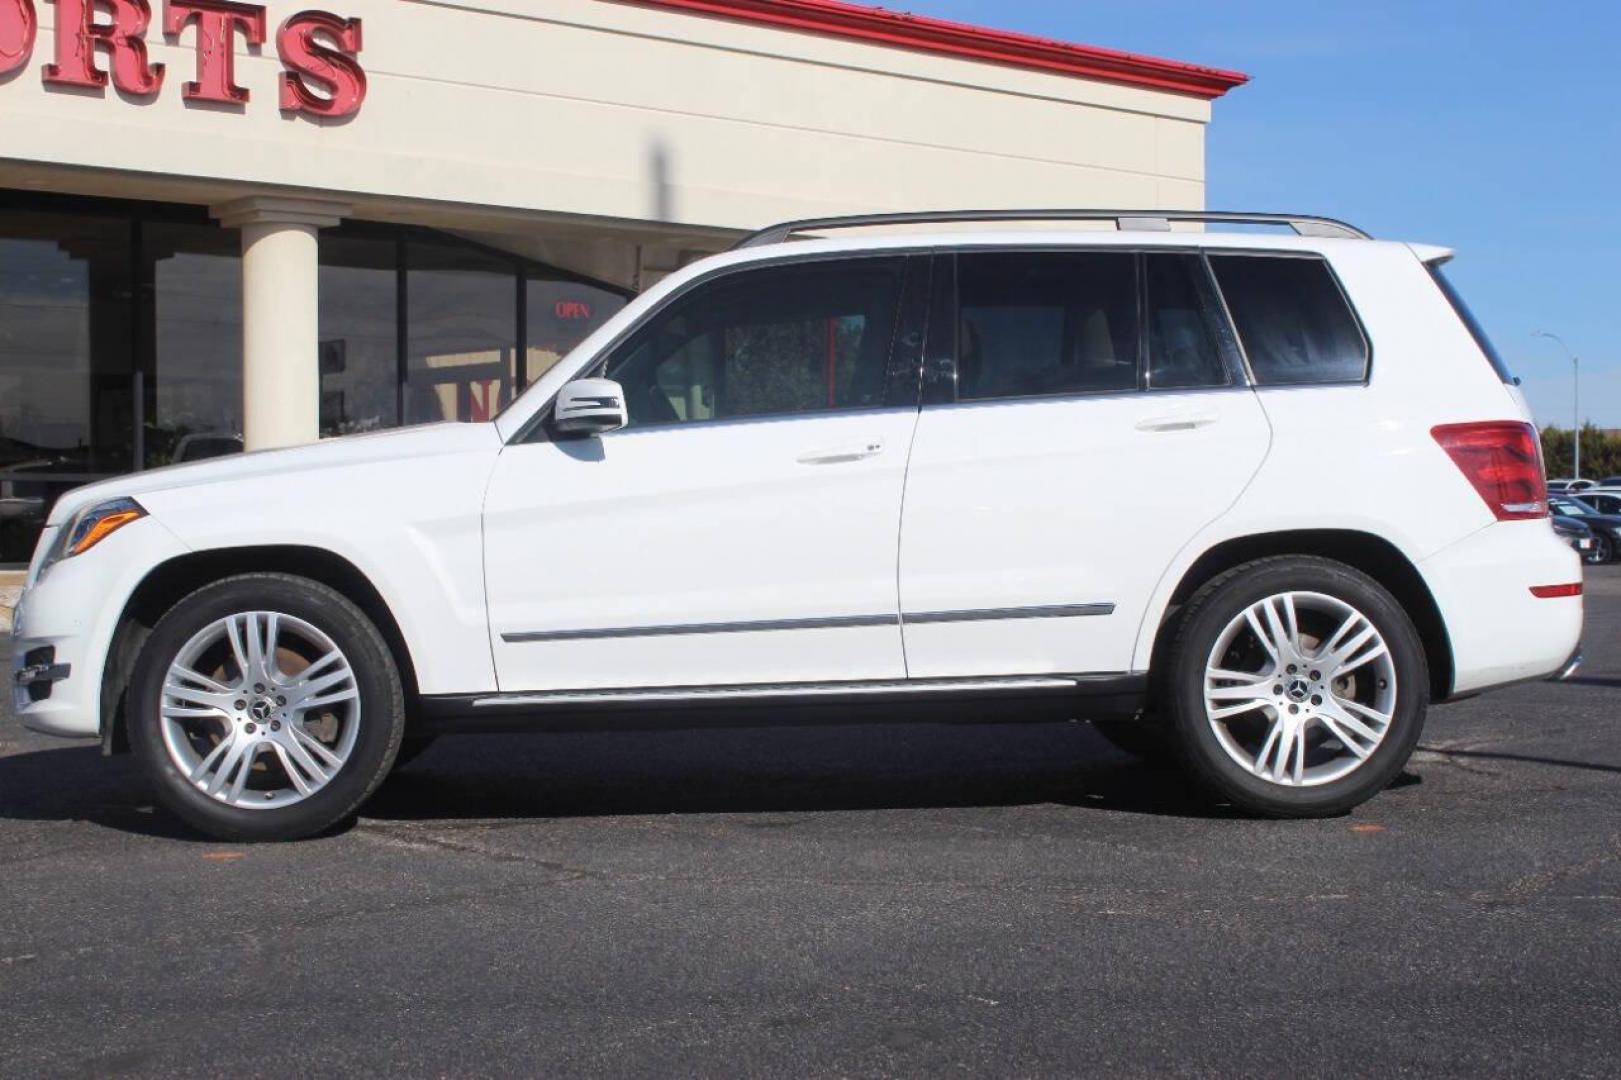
(77, 37)
(217, 22)
(314, 65)
(17, 26)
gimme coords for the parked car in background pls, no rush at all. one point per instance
(697, 515)
(1605, 500)
(1606, 527)
(1574, 486)
(1576, 533)
(204, 445)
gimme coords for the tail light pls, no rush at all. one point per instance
(1503, 460)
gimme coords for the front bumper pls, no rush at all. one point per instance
(63, 626)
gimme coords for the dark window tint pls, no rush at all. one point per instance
(1046, 323)
(1476, 331)
(1292, 318)
(787, 339)
(359, 334)
(461, 332)
(1182, 345)
(1604, 504)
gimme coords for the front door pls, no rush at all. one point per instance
(743, 528)
(1098, 419)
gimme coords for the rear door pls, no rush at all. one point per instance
(1086, 414)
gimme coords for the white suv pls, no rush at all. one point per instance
(810, 476)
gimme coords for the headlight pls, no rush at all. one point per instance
(90, 527)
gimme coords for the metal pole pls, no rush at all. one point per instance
(1575, 404)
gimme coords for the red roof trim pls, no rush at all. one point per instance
(923, 34)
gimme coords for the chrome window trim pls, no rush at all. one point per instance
(820, 622)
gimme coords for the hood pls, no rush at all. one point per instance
(424, 441)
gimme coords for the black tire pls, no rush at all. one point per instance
(1181, 686)
(381, 698)
(1602, 551)
(412, 748)
(1143, 736)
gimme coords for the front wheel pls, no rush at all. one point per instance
(1296, 687)
(265, 707)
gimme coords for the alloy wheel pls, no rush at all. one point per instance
(260, 710)
(1300, 688)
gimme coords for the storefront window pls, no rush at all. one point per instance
(67, 381)
(560, 315)
(196, 273)
(360, 371)
(121, 339)
(461, 332)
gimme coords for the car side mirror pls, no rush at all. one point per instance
(587, 407)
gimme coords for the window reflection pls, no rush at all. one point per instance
(560, 315)
(197, 323)
(359, 334)
(461, 333)
(66, 364)
(121, 339)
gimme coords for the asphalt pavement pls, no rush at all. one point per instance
(976, 900)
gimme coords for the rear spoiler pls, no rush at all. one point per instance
(1431, 255)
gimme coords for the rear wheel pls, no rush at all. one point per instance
(1297, 687)
(265, 707)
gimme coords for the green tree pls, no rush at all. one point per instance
(1601, 452)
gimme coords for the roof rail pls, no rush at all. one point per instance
(1147, 220)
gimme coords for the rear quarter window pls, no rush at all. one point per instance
(1293, 320)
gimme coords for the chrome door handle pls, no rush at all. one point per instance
(1184, 421)
(836, 455)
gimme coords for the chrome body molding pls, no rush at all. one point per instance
(830, 622)
(1045, 611)
(826, 622)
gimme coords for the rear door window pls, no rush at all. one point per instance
(1293, 320)
(1044, 323)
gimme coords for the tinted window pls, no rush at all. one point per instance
(1182, 345)
(1292, 319)
(461, 332)
(789, 339)
(1604, 504)
(1046, 323)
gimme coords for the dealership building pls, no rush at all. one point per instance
(230, 223)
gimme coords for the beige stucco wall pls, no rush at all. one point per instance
(486, 114)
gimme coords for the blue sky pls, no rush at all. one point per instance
(1490, 127)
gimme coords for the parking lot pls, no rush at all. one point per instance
(892, 900)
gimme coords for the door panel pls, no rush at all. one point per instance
(643, 557)
(1016, 508)
(743, 528)
(1053, 482)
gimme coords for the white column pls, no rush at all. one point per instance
(281, 369)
